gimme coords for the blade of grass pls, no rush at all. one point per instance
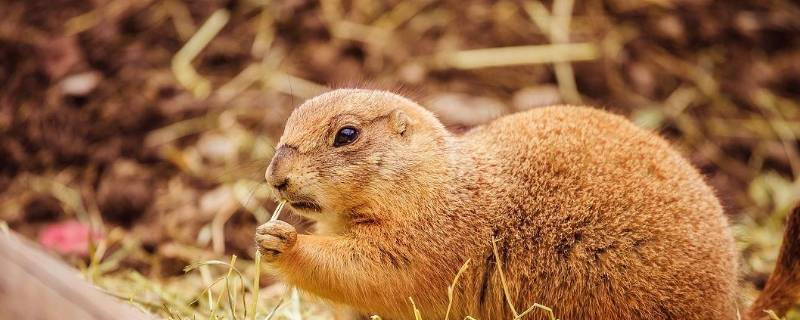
(256, 283)
(231, 269)
(141, 280)
(205, 274)
(231, 298)
(503, 277)
(295, 295)
(550, 314)
(169, 312)
(773, 315)
(452, 287)
(274, 310)
(207, 289)
(417, 313)
(224, 290)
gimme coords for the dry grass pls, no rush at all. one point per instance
(720, 90)
(223, 293)
(212, 289)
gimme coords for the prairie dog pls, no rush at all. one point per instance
(594, 217)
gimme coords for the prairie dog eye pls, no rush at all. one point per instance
(345, 136)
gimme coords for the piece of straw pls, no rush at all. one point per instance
(256, 287)
(278, 210)
(502, 277)
(521, 55)
(452, 287)
(182, 67)
(295, 294)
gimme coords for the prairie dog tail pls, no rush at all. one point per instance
(782, 290)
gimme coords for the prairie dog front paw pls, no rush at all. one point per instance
(274, 238)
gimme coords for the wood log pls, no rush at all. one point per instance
(35, 285)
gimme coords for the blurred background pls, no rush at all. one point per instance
(134, 134)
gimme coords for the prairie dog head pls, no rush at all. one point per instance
(351, 148)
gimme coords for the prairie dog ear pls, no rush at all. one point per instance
(399, 121)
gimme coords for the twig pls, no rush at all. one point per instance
(559, 33)
(557, 28)
(246, 78)
(181, 18)
(181, 62)
(218, 225)
(401, 13)
(521, 55)
(265, 33)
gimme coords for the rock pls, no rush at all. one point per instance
(80, 84)
(533, 97)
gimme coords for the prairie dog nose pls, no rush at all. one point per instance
(281, 184)
(277, 174)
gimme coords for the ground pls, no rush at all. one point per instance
(137, 126)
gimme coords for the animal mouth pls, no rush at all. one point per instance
(305, 205)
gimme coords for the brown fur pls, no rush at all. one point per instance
(596, 218)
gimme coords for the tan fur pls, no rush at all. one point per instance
(597, 218)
